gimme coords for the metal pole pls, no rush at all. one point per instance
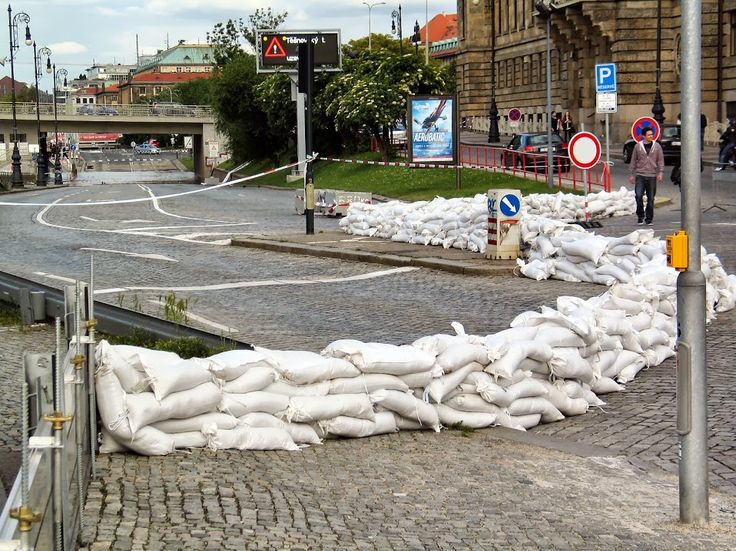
(16, 178)
(658, 106)
(307, 50)
(493, 134)
(58, 503)
(692, 395)
(79, 361)
(58, 179)
(550, 179)
(426, 32)
(608, 139)
(91, 348)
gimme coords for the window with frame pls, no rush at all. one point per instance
(732, 33)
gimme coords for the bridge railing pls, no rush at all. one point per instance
(160, 110)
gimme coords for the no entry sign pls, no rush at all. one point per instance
(641, 124)
(584, 150)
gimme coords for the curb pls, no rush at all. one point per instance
(451, 266)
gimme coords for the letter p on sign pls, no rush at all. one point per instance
(605, 77)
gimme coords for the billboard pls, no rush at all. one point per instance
(278, 51)
(432, 129)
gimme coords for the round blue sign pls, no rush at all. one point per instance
(510, 205)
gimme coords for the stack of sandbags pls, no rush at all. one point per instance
(570, 207)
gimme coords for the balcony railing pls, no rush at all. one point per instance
(161, 110)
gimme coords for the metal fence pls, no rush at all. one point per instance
(45, 506)
(161, 110)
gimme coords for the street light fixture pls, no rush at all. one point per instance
(58, 180)
(42, 172)
(493, 134)
(370, 7)
(545, 9)
(416, 38)
(16, 178)
(396, 27)
(658, 106)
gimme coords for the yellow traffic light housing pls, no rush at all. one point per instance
(677, 250)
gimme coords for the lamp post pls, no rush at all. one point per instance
(21, 17)
(370, 7)
(545, 8)
(41, 174)
(416, 38)
(493, 133)
(396, 27)
(658, 106)
(426, 32)
(58, 180)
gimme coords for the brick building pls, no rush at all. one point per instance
(586, 32)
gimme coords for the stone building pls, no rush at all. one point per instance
(584, 33)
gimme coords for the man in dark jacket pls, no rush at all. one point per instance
(728, 142)
(645, 170)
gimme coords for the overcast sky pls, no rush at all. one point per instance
(80, 32)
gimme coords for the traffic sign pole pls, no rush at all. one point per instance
(306, 85)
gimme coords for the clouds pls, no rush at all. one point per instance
(68, 47)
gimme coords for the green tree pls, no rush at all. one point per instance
(378, 42)
(371, 92)
(194, 92)
(229, 38)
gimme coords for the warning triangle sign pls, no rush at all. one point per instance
(275, 49)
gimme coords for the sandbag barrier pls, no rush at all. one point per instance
(462, 223)
(548, 365)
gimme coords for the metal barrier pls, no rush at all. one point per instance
(45, 506)
(533, 166)
(108, 111)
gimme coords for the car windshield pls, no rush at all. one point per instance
(541, 139)
(671, 132)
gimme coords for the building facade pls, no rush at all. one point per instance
(583, 34)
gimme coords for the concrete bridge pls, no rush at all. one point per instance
(190, 120)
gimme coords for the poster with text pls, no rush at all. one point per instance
(431, 120)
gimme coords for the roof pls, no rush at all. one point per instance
(441, 27)
(182, 54)
(165, 78)
(6, 84)
(112, 89)
(87, 90)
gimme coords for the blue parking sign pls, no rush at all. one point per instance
(605, 77)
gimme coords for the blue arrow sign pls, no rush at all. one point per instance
(510, 205)
(605, 77)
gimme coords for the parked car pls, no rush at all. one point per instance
(86, 109)
(146, 149)
(170, 109)
(535, 146)
(106, 110)
(669, 139)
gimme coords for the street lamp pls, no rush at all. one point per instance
(370, 7)
(17, 177)
(396, 27)
(493, 133)
(658, 106)
(416, 38)
(545, 9)
(41, 174)
(58, 180)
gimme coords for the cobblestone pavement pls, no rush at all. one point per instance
(398, 309)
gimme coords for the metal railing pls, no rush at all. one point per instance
(165, 111)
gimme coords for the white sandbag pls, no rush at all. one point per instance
(140, 357)
(629, 372)
(441, 386)
(623, 359)
(642, 320)
(658, 354)
(188, 440)
(498, 343)
(303, 367)
(489, 390)
(301, 433)
(143, 409)
(256, 378)
(131, 379)
(233, 363)
(567, 363)
(577, 390)
(368, 383)
(416, 380)
(195, 423)
(559, 336)
(149, 441)
(591, 248)
(111, 404)
(527, 406)
(605, 385)
(108, 444)
(558, 397)
(238, 405)
(382, 358)
(649, 338)
(248, 438)
(472, 402)
(525, 421)
(408, 406)
(475, 420)
(603, 344)
(350, 427)
(306, 409)
(289, 389)
(603, 361)
(167, 378)
(403, 423)
(459, 355)
(509, 362)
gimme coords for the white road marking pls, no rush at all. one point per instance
(203, 320)
(58, 278)
(264, 283)
(88, 218)
(162, 211)
(134, 230)
(202, 234)
(138, 255)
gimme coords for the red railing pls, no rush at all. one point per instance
(534, 166)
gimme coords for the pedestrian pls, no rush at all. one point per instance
(645, 170)
(728, 142)
(568, 126)
(703, 124)
(553, 122)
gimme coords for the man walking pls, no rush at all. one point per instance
(645, 170)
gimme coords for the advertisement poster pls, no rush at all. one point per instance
(432, 129)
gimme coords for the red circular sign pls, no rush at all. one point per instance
(514, 114)
(641, 124)
(584, 150)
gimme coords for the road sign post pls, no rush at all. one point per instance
(514, 116)
(306, 86)
(584, 150)
(643, 123)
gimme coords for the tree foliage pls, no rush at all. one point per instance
(229, 38)
(195, 92)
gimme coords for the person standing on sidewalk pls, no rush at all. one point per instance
(645, 170)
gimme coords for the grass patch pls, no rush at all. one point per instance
(409, 184)
(188, 163)
(9, 314)
(185, 347)
(465, 431)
